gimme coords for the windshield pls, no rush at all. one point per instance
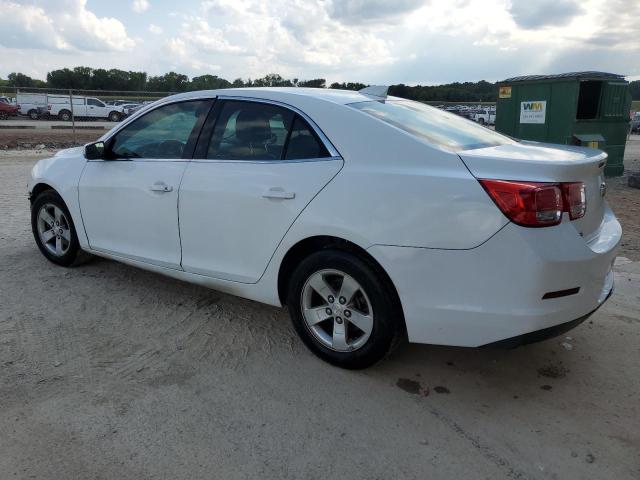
(438, 127)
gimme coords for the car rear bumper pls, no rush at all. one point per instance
(520, 281)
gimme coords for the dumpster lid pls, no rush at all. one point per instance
(589, 137)
(577, 75)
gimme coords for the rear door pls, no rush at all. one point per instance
(129, 200)
(256, 168)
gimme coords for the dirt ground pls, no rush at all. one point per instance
(28, 139)
(110, 372)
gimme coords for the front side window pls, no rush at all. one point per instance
(162, 133)
(439, 128)
(94, 102)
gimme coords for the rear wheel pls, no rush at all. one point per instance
(4, 115)
(53, 229)
(64, 115)
(343, 309)
(33, 114)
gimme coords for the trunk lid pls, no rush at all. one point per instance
(539, 162)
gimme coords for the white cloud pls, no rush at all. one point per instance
(373, 41)
(285, 36)
(60, 25)
(140, 6)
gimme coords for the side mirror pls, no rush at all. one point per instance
(94, 151)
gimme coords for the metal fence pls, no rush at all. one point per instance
(74, 109)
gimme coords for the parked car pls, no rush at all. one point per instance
(370, 217)
(130, 108)
(635, 123)
(84, 107)
(485, 117)
(34, 105)
(8, 110)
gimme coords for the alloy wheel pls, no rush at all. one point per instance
(337, 310)
(54, 229)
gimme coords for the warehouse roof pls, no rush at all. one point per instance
(588, 74)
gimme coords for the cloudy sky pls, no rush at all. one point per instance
(373, 41)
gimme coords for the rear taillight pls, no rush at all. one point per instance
(575, 199)
(536, 204)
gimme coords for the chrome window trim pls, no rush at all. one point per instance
(270, 162)
(333, 152)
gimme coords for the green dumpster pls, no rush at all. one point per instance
(580, 108)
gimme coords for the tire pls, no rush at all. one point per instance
(114, 117)
(69, 250)
(374, 302)
(481, 121)
(33, 114)
(4, 115)
(64, 115)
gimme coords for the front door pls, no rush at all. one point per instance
(96, 109)
(259, 168)
(129, 199)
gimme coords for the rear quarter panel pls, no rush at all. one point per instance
(395, 189)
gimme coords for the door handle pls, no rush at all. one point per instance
(279, 193)
(160, 187)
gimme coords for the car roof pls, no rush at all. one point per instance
(284, 94)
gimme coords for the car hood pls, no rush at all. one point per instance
(70, 152)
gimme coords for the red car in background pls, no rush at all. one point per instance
(7, 109)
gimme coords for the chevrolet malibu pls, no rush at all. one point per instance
(372, 218)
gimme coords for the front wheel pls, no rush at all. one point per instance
(53, 229)
(343, 309)
(114, 117)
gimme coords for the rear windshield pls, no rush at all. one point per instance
(440, 128)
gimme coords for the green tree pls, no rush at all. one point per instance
(20, 80)
(634, 88)
(315, 83)
(169, 82)
(348, 85)
(272, 80)
(208, 82)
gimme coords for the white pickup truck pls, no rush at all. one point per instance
(485, 116)
(86, 107)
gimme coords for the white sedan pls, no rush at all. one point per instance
(372, 218)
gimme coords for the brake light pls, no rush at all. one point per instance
(575, 199)
(537, 204)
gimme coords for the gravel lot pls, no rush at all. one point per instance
(109, 372)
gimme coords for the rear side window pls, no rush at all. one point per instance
(250, 131)
(439, 128)
(246, 130)
(303, 142)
